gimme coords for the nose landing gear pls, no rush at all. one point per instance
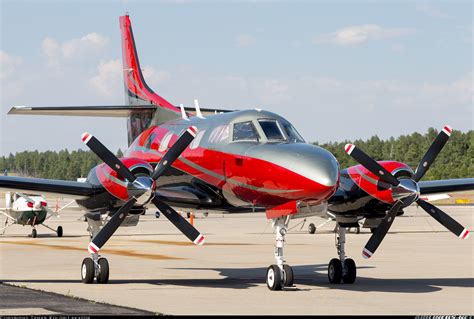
(280, 275)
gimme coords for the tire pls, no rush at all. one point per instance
(103, 276)
(87, 271)
(311, 228)
(350, 272)
(188, 215)
(59, 231)
(335, 271)
(289, 277)
(274, 280)
(34, 233)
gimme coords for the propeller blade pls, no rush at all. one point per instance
(369, 163)
(175, 151)
(432, 152)
(182, 224)
(444, 219)
(381, 231)
(107, 156)
(109, 229)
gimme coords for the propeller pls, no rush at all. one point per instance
(144, 189)
(406, 191)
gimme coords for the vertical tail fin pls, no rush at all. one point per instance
(137, 92)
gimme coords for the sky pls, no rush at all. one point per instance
(338, 70)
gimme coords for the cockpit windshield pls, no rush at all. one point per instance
(245, 131)
(292, 133)
(271, 129)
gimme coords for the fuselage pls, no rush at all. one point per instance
(255, 157)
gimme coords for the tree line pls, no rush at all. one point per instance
(454, 161)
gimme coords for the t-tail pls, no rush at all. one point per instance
(137, 91)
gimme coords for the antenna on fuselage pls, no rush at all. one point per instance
(198, 110)
(183, 112)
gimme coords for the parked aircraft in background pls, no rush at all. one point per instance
(250, 159)
(25, 209)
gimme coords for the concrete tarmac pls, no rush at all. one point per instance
(420, 268)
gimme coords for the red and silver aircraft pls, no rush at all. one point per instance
(234, 160)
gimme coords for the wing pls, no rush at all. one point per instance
(446, 186)
(75, 190)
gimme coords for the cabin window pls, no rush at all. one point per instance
(245, 131)
(165, 141)
(195, 143)
(219, 134)
(292, 133)
(272, 130)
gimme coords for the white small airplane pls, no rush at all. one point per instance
(32, 210)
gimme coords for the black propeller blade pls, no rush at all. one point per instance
(109, 229)
(174, 152)
(444, 219)
(182, 224)
(381, 231)
(107, 156)
(432, 152)
(371, 164)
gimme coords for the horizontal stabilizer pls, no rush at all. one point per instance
(99, 111)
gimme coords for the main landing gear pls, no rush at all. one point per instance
(280, 275)
(343, 268)
(94, 267)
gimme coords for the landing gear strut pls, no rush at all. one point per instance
(94, 267)
(280, 275)
(343, 268)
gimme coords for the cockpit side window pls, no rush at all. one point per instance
(245, 131)
(271, 129)
(292, 133)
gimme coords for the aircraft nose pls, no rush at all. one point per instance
(310, 161)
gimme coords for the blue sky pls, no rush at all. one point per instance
(338, 70)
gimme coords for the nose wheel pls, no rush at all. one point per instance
(91, 270)
(277, 279)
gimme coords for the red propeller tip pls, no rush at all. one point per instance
(464, 234)
(193, 130)
(448, 130)
(349, 148)
(200, 240)
(86, 137)
(93, 249)
(366, 254)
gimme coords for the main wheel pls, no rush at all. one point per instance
(34, 233)
(103, 276)
(59, 231)
(87, 271)
(350, 272)
(274, 281)
(311, 228)
(288, 276)
(335, 271)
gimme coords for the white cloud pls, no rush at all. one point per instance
(108, 78)
(8, 64)
(360, 34)
(89, 45)
(244, 40)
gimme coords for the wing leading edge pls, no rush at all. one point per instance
(446, 186)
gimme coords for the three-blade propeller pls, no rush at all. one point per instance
(406, 191)
(146, 190)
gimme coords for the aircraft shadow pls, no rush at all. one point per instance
(306, 275)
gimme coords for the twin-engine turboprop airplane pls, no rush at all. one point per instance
(238, 160)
